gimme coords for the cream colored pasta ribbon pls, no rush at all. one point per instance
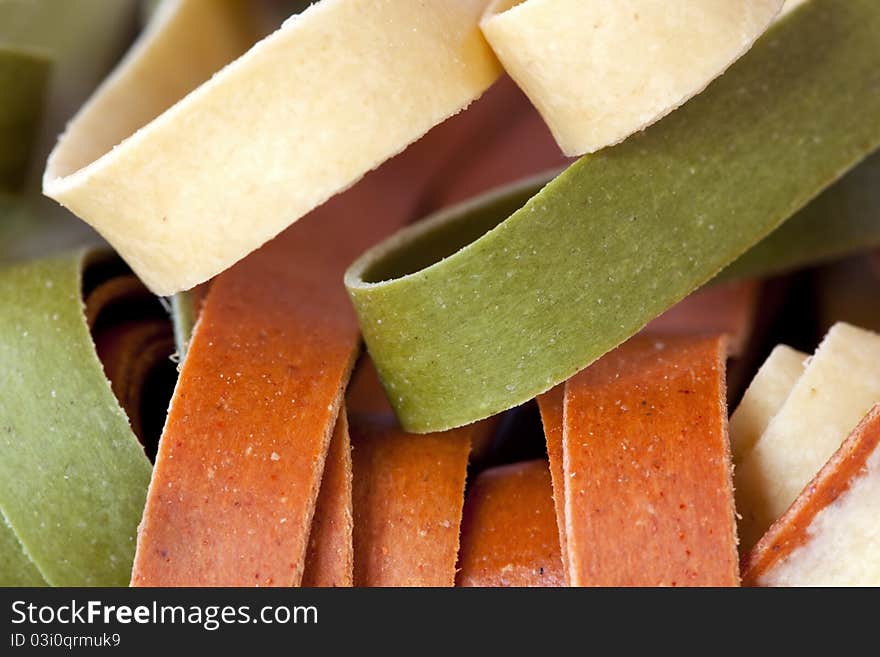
(600, 70)
(185, 176)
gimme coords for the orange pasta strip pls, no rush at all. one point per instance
(648, 491)
(330, 556)
(408, 492)
(408, 497)
(240, 461)
(508, 533)
(791, 530)
(728, 308)
(241, 457)
(551, 406)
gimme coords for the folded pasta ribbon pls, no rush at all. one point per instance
(641, 466)
(825, 536)
(599, 71)
(467, 314)
(329, 559)
(73, 477)
(330, 554)
(408, 492)
(241, 463)
(161, 158)
(508, 534)
(835, 390)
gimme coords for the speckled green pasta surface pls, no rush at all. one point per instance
(73, 477)
(843, 219)
(623, 234)
(16, 568)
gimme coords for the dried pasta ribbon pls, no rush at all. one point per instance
(161, 158)
(621, 235)
(330, 555)
(837, 387)
(408, 492)
(830, 511)
(551, 405)
(722, 309)
(763, 398)
(508, 533)
(600, 71)
(241, 459)
(73, 476)
(408, 497)
(646, 467)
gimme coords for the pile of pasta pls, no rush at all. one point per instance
(466, 293)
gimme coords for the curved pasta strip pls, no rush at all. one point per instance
(264, 374)
(463, 323)
(408, 495)
(330, 555)
(600, 71)
(825, 537)
(408, 491)
(73, 477)
(508, 530)
(337, 90)
(646, 463)
(839, 221)
(718, 310)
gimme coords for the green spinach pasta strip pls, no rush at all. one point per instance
(843, 219)
(462, 324)
(73, 477)
(16, 568)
